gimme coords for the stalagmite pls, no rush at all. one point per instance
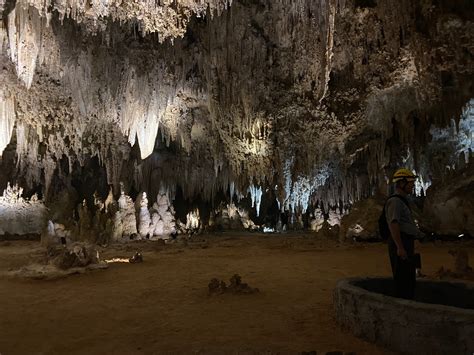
(193, 220)
(127, 214)
(144, 218)
(163, 220)
(256, 195)
(117, 229)
(85, 222)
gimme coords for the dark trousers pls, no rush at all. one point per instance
(404, 271)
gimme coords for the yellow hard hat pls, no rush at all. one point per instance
(404, 174)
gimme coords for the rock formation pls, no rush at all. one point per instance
(127, 215)
(311, 102)
(144, 219)
(163, 220)
(19, 215)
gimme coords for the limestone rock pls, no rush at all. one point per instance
(127, 215)
(449, 205)
(163, 222)
(303, 100)
(235, 286)
(75, 255)
(361, 222)
(19, 215)
(144, 218)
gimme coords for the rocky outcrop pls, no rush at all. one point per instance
(362, 221)
(449, 205)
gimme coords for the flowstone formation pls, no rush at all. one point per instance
(304, 102)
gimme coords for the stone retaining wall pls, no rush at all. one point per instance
(406, 326)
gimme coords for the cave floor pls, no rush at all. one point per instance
(162, 305)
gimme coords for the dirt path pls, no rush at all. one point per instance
(162, 305)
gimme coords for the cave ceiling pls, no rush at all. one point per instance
(312, 99)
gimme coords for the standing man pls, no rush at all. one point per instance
(403, 231)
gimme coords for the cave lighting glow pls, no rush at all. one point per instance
(117, 260)
(421, 185)
(193, 220)
(460, 137)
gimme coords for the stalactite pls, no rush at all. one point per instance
(452, 147)
(25, 35)
(168, 18)
(7, 119)
(304, 97)
(256, 196)
(145, 101)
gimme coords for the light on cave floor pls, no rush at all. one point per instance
(268, 230)
(460, 235)
(117, 260)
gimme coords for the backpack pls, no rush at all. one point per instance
(384, 230)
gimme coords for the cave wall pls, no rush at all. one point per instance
(316, 100)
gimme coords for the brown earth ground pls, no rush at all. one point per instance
(162, 305)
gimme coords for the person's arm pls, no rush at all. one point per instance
(395, 233)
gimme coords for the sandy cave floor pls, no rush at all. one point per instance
(162, 305)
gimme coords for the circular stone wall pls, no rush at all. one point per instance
(440, 321)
